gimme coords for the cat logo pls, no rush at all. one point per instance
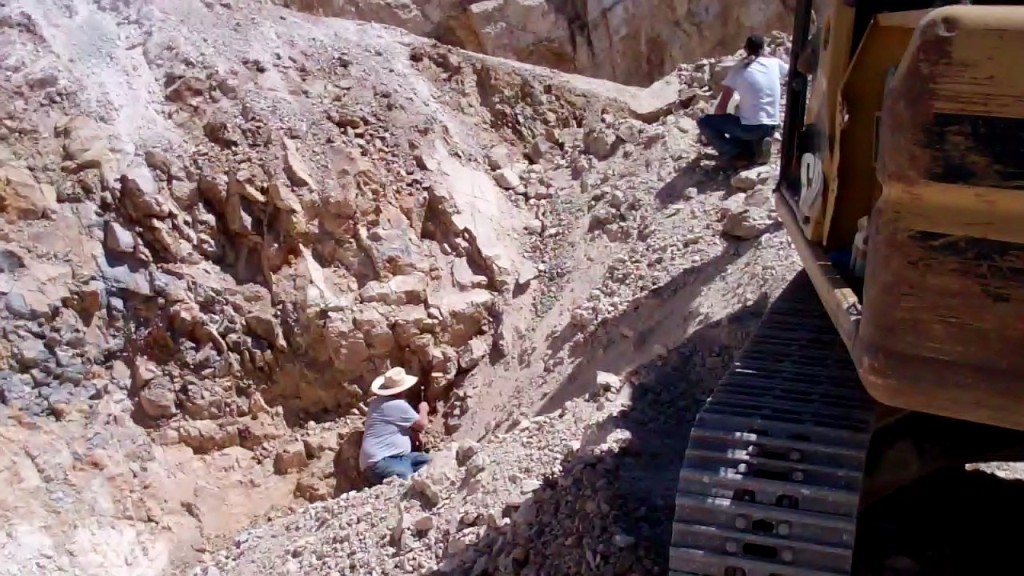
(812, 182)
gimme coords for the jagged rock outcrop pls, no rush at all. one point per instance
(632, 41)
(224, 240)
(240, 246)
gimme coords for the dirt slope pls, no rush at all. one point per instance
(634, 42)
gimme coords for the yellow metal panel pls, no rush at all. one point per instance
(823, 110)
(857, 186)
(909, 19)
(963, 60)
(969, 50)
(943, 301)
(979, 212)
(968, 88)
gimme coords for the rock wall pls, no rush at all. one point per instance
(227, 234)
(231, 238)
(220, 221)
(632, 42)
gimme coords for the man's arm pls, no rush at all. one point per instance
(423, 418)
(728, 89)
(723, 101)
(401, 414)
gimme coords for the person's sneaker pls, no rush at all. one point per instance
(763, 151)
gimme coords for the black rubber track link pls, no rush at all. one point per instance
(772, 475)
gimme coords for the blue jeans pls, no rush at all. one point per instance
(403, 466)
(729, 137)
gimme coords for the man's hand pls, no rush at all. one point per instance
(416, 438)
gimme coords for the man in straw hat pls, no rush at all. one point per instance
(387, 447)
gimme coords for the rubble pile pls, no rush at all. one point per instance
(585, 486)
(556, 494)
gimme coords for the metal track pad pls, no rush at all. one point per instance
(772, 475)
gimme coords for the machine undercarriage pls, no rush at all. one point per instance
(790, 450)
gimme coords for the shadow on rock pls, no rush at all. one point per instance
(610, 511)
(949, 523)
(688, 183)
(618, 344)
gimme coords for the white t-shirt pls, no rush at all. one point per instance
(387, 430)
(759, 87)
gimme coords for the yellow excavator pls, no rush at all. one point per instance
(898, 351)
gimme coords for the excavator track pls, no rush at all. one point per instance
(772, 475)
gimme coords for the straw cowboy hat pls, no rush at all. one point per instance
(394, 381)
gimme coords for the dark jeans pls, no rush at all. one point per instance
(730, 137)
(403, 466)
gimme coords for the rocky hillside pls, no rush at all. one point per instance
(633, 42)
(222, 219)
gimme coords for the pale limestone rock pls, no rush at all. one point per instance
(264, 325)
(345, 344)
(507, 178)
(479, 210)
(140, 195)
(474, 352)
(466, 451)
(22, 197)
(158, 399)
(424, 524)
(87, 146)
(290, 458)
(295, 167)
(499, 158)
(607, 383)
(400, 290)
(599, 142)
(464, 275)
(118, 238)
(319, 444)
(282, 197)
(748, 223)
(750, 179)
(376, 330)
(540, 149)
(733, 204)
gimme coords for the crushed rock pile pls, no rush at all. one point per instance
(584, 483)
(583, 490)
(432, 522)
(587, 488)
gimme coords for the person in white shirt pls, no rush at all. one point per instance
(390, 424)
(757, 79)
